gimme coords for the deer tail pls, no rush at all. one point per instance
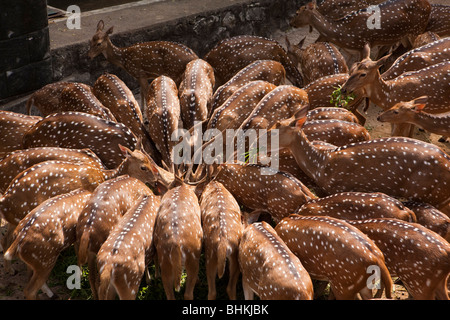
(83, 248)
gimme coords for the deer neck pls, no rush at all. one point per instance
(324, 26)
(309, 158)
(379, 92)
(114, 173)
(113, 54)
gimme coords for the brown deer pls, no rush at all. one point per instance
(418, 256)
(20, 160)
(320, 93)
(439, 22)
(399, 167)
(163, 113)
(333, 250)
(117, 97)
(127, 251)
(196, 91)
(79, 97)
(403, 20)
(105, 208)
(230, 55)
(425, 38)
(419, 58)
(323, 113)
(47, 98)
(143, 61)
(264, 70)
(413, 112)
(269, 268)
(80, 130)
(365, 77)
(50, 178)
(336, 9)
(431, 218)
(13, 127)
(43, 234)
(336, 132)
(222, 231)
(317, 60)
(357, 206)
(178, 239)
(278, 194)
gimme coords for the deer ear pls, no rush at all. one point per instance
(301, 42)
(299, 123)
(366, 52)
(421, 100)
(419, 107)
(100, 25)
(110, 30)
(383, 60)
(125, 151)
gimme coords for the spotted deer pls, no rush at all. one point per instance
(396, 166)
(404, 20)
(222, 230)
(347, 260)
(413, 112)
(143, 61)
(13, 127)
(20, 160)
(230, 55)
(50, 178)
(80, 98)
(320, 92)
(163, 113)
(263, 70)
(178, 239)
(278, 194)
(336, 9)
(43, 234)
(80, 130)
(419, 58)
(127, 251)
(357, 206)
(109, 202)
(335, 132)
(324, 113)
(425, 38)
(117, 97)
(418, 256)
(47, 98)
(316, 60)
(431, 218)
(269, 268)
(196, 91)
(438, 22)
(365, 77)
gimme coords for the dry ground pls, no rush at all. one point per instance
(11, 286)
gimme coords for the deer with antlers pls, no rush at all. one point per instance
(13, 127)
(196, 91)
(345, 263)
(269, 268)
(413, 112)
(222, 231)
(418, 256)
(144, 61)
(80, 130)
(123, 257)
(365, 77)
(230, 55)
(101, 214)
(404, 20)
(317, 60)
(263, 70)
(43, 234)
(400, 167)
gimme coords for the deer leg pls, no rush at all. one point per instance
(93, 275)
(168, 279)
(248, 292)
(36, 282)
(192, 266)
(126, 286)
(233, 266)
(211, 273)
(441, 290)
(5, 242)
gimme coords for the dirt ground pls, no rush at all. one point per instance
(11, 286)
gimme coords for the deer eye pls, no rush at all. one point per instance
(143, 168)
(363, 75)
(396, 111)
(99, 44)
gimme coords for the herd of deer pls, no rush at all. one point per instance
(96, 170)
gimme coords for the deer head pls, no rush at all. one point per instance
(303, 15)
(403, 111)
(99, 41)
(294, 52)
